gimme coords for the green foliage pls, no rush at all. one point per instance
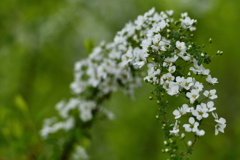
(88, 45)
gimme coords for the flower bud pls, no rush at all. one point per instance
(182, 135)
(202, 54)
(155, 68)
(221, 52)
(166, 150)
(195, 22)
(153, 59)
(170, 140)
(158, 101)
(210, 40)
(191, 35)
(157, 116)
(189, 143)
(150, 97)
(165, 143)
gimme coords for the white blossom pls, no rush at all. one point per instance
(211, 80)
(192, 127)
(210, 94)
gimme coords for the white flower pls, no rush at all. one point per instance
(188, 21)
(199, 69)
(211, 80)
(170, 12)
(192, 127)
(180, 45)
(108, 85)
(200, 132)
(156, 39)
(128, 57)
(185, 14)
(180, 111)
(169, 60)
(193, 95)
(187, 83)
(175, 129)
(172, 69)
(210, 107)
(86, 115)
(198, 86)
(150, 12)
(200, 112)
(210, 94)
(180, 80)
(221, 124)
(167, 77)
(140, 22)
(173, 88)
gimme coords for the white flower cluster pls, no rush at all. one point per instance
(163, 44)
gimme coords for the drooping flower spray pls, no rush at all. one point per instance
(175, 66)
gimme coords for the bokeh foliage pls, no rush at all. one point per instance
(40, 42)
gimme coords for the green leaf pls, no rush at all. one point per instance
(21, 104)
(88, 45)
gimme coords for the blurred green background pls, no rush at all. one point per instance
(41, 40)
